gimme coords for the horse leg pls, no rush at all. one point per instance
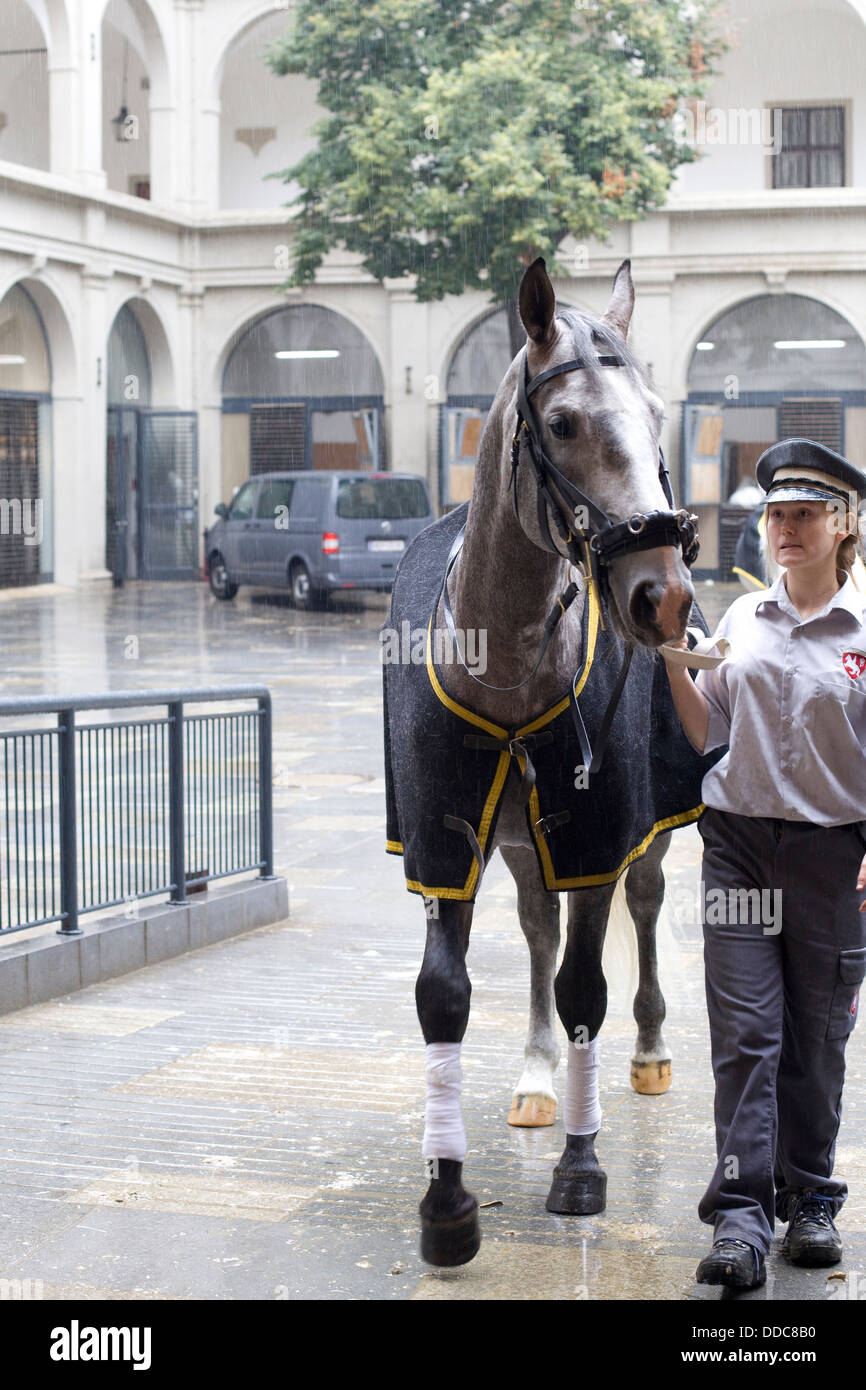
(579, 1185)
(644, 890)
(534, 1101)
(450, 1233)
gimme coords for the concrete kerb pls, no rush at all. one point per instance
(47, 965)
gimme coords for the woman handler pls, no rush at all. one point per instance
(785, 816)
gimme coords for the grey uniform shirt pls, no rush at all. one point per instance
(790, 701)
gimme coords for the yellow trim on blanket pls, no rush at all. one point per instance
(592, 633)
(455, 708)
(465, 893)
(594, 880)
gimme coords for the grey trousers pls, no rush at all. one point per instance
(783, 970)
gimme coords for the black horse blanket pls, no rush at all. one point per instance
(585, 831)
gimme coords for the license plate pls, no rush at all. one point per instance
(385, 545)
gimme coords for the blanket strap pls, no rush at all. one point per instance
(548, 823)
(455, 823)
(517, 747)
(592, 760)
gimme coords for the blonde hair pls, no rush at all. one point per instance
(849, 552)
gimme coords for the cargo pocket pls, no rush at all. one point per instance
(843, 1010)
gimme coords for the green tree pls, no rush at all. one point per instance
(466, 137)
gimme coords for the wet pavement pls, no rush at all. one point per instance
(245, 1122)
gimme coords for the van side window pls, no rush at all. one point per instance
(241, 508)
(274, 501)
(382, 499)
(307, 499)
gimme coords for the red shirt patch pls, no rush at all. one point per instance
(854, 663)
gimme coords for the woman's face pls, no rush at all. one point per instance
(801, 534)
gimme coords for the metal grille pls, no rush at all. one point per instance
(123, 812)
(812, 417)
(277, 438)
(99, 814)
(19, 491)
(222, 818)
(29, 882)
(168, 497)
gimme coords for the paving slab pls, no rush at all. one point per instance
(244, 1121)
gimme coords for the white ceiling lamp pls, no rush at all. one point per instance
(292, 354)
(791, 344)
(704, 347)
(11, 359)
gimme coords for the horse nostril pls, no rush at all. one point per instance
(647, 600)
(644, 604)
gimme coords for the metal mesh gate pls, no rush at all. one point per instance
(168, 494)
(19, 491)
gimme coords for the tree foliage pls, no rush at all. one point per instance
(465, 137)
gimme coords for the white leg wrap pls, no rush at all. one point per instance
(444, 1135)
(582, 1111)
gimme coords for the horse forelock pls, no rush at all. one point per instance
(591, 337)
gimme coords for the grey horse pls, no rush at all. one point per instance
(509, 562)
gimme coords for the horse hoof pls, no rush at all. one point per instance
(532, 1112)
(577, 1194)
(447, 1243)
(651, 1078)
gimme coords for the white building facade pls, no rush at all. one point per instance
(142, 248)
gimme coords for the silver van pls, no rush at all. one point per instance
(315, 532)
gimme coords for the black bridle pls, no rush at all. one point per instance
(603, 541)
(591, 549)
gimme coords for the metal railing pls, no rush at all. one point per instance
(94, 815)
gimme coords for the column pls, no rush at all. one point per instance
(408, 370)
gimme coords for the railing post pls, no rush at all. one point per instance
(266, 789)
(175, 801)
(68, 827)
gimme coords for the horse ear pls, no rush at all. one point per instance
(618, 312)
(537, 301)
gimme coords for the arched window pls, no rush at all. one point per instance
(128, 378)
(779, 366)
(128, 28)
(24, 132)
(302, 388)
(265, 119)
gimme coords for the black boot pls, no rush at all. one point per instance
(811, 1238)
(734, 1263)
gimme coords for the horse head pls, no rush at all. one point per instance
(593, 433)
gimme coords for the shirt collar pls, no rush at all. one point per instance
(847, 597)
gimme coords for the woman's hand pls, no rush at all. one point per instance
(861, 882)
(682, 645)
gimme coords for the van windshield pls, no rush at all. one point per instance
(381, 499)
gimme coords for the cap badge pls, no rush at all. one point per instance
(854, 663)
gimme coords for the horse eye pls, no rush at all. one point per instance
(559, 427)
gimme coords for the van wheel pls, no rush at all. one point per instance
(221, 586)
(304, 596)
